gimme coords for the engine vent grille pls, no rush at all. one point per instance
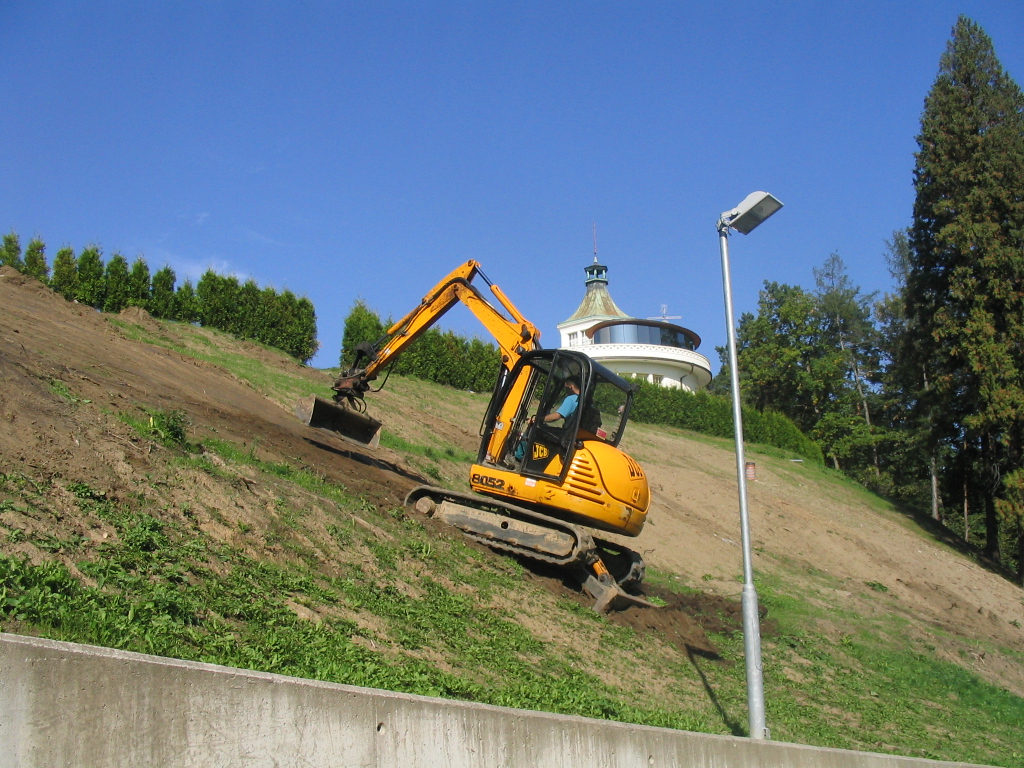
(582, 479)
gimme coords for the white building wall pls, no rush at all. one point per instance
(678, 368)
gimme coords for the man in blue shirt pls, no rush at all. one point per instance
(568, 406)
(564, 411)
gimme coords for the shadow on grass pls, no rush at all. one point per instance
(369, 461)
(735, 728)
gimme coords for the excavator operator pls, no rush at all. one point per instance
(566, 409)
(569, 404)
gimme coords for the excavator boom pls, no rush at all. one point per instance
(514, 337)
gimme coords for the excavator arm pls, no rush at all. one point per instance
(514, 336)
(346, 416)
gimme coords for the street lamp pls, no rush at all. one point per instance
(754, 209)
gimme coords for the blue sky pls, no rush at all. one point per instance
(352, 150)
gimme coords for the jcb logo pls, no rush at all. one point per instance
(490, 482)
(540, 451)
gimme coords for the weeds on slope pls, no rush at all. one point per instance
(161, 585)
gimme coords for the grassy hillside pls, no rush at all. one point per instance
(207, 534)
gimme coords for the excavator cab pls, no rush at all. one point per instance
(591, 403)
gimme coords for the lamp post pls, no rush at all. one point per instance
(754, 209)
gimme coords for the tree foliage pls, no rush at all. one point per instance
(362, 324)
(10, 253)
(139, 284)
(65, 274)
(964, 301)
(186, 303)
(116, 281)
(91, 285)
(35, 260)
(161, 303)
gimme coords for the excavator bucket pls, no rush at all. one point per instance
(339, 419)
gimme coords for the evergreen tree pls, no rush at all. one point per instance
(91, 285)
(162, 302)
(139, 287)
(35, 260)
(116, 281)
(268, 322)
(65, 274)
(10, 254)
(186, 304)
(218, 300)
(306, 344)
(964, 296)
(249, 318)
(907, 456)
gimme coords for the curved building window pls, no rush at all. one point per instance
(630, 333)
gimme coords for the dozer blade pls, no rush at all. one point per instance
(337, 418)
(609, 597)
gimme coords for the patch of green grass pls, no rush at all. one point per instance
(61, 390)
(210, 345)
(136, 332)
(447, 453)
(169, 428)
(234, 612)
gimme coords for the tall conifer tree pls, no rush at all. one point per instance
(91, 286)
(162, 303)
(139, 288)
(35, 260)
(10, 252)
(65, 274)
(118, 288)
(965, 287)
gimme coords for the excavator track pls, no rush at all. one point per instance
(509, 528)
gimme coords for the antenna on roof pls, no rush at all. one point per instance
(665, 315)
(595, 242)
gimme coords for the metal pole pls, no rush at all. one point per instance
(751, 622)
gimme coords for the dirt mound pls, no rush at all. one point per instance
(63, 365)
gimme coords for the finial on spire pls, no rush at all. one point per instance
(595, 242)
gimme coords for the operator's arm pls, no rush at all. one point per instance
(564, 411)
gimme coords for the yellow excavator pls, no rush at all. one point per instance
(549, 472)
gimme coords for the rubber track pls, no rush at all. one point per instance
(582, 536)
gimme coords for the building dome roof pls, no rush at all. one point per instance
(597, 302)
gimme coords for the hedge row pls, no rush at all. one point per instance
(283, 320)
(712, 415)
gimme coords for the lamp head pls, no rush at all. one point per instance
(755, 208)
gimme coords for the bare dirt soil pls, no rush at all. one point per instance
(64, 369)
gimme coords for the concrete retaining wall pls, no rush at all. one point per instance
(74, 705)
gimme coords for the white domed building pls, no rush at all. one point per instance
(653, 349)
